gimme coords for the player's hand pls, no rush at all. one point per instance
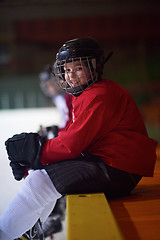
(25, 149)
(18, 171)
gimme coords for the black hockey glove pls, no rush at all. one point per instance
(24, 153)
(18, 171)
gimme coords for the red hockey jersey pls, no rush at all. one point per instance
(106, 122)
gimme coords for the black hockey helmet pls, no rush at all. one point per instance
(86, 50)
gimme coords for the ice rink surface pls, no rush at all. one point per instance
(15, 122)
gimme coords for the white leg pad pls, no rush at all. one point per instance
(37, 193)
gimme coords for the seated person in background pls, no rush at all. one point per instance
(62, 101)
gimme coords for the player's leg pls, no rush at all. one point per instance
(90, 174)
(27, 206)
(36, 233)
(53, 224)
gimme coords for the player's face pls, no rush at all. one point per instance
(76, 73)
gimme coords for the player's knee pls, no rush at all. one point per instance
(39, 184)
(34, 180)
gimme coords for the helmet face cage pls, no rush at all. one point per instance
(88, 55)
(83, 70)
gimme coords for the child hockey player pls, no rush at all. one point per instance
(104, 149)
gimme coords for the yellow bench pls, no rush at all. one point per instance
(89, 217)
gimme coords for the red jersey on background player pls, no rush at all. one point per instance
(105, 148)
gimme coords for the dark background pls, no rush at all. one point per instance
(31, 32)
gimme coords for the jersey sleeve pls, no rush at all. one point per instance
(81, 133)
